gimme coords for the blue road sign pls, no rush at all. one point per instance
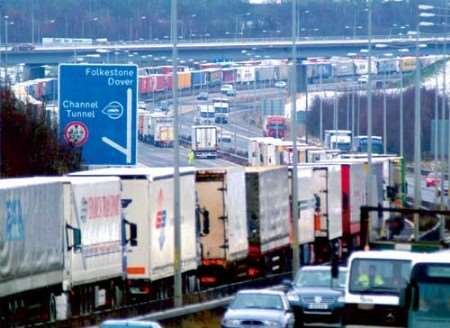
(98, 112)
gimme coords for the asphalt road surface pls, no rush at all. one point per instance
(152, 156)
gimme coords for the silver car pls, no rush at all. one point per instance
(259, 308)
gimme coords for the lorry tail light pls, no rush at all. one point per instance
(317, 222)
(252, 272)
(208, 280)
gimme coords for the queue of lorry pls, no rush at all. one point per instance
(104, 238)
(156, 128)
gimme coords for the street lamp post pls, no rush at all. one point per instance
(321, 108)
(178, 286)
(436, 123)
(370, 196)
(335, 112)
(417, 139)
(6, 49)
(384, 115)
(295, 214)
(402, 151)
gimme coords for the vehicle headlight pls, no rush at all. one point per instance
(231, 322)
(270, 323)
(293, 298)
(341, 299)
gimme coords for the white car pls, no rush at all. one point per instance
(259, 308)
(280, 84)
(129, 324)
(226, 88)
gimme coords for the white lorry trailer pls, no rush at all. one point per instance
(267, 199)
(325, 184)
(68, 236)
(222, 218)
(160, 129)
(149, 194)
(204, 141)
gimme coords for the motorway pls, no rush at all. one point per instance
(241, 127)
(152, 156)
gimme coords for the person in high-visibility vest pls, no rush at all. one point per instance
(191, 157)
(372, 279)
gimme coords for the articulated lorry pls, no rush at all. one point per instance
(221, 217)
(221, 110)
(160, 130)
(63, 247)
(275, 126)
(205, 141)
(267, 199)
(338, 139)
(149, 195)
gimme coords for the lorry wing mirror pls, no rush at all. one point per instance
(391, 192)
(76, 238)
(205, 222)
(405, 296)
(334, 268)
(415, 296)
(133, 233)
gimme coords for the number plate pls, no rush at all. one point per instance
(318, 306)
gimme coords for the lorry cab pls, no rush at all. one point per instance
(427, 297)
(374, 285)
(227, 88)
(275, 126)
(206, 114)
(221, 110)
(338, 139)
(360, 144)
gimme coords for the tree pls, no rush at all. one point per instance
(393, 118)
(29, 146)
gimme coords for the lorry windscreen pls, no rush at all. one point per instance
(379, 276)
(276, 126)
(222, 110)
(433, 282)
(377, 148)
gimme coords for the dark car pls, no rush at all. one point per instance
(259, 308)
(317, 298)
(202, 96)
(231, 93)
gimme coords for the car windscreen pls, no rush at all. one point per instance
(379, 276)
(320, 278)
(257, 301)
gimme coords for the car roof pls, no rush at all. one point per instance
(261, 292)
(129, 323)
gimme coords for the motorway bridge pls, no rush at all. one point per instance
(213, 50)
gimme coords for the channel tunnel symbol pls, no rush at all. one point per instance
(114, 110)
